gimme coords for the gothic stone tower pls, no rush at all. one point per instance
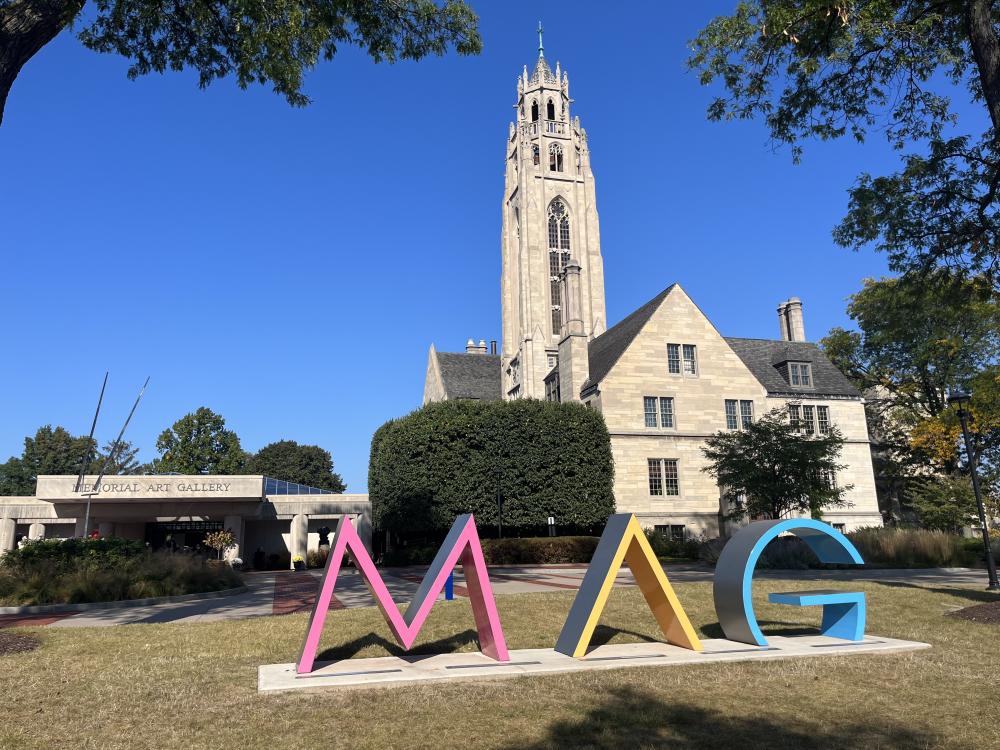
(549, 218)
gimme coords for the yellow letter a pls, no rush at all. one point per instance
(624, 541)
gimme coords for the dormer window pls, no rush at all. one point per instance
(800, 374)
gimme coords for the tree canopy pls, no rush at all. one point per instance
(831, 68)
(199, 443)
(257, 41)
(770, 469)
(305, 464)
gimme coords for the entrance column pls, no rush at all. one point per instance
(235, 525)
(299, 536)
(36, 531)
(8, 530)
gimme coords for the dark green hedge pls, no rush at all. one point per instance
(508, 551)
(448, 458)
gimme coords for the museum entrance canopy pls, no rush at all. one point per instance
(166, 487)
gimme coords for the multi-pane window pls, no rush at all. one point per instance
(552, 388)
(732, 422)
(739, 414)
(823, 419)
(649, 407)
(555, 158)
(795, 416)
(663, 478)
(841, 527)
(690, 360)
(534, 154)
(558, 226)
(674, 359)
(658, 412)
(800, 374)
(828, 478)
(809, 419)
(676, 532)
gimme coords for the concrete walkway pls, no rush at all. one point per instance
(277, 593)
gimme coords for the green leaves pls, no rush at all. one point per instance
(274, 41)
(199, 443)
(770, 470)
(305, 464)
(827, 69)
(449, 458)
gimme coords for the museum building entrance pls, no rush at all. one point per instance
(180, 536)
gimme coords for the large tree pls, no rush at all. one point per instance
(770, 469)
(305, 464)
(829, 68)
(258, 41)
(199, 443)
(52, 450)
(917, 337)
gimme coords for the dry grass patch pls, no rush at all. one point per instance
(194, 685)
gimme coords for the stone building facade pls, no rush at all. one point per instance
(664, 378)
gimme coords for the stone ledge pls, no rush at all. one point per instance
(351, 674)
(37, 609)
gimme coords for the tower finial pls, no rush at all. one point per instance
(541, 48)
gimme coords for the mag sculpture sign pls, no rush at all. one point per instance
(623, 542)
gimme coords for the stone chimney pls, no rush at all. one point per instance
(790, 320)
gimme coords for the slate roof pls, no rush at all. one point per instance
(470, 375)
(763, 356)
(606, 349)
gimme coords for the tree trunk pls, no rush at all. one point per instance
(986, 51)
(25, 27)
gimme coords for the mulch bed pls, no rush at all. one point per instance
(16, 644)
(988, 613)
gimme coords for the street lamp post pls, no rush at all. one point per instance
(960, 398)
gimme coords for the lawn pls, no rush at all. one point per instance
(194, 685)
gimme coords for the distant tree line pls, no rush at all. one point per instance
(197, 443)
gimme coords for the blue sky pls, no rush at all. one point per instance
(289, 268)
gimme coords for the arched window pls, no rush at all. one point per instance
(534, 111)
(558, 256)
(534, 154)
(555, 158)
(550, 110)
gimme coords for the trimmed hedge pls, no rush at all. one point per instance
(511, 551)
(449, 458)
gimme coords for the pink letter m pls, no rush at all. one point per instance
(461, 545)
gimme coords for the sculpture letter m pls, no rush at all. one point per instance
(461, 545)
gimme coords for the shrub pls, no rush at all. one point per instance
(664, 546)
(539, 550)
(317, 559)
(905, 548)
(105, 551)
(449, 458)
(56, 579)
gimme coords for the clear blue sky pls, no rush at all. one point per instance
(289, 268)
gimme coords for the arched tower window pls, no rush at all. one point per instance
(558, 256)
(550, 110)
(555, 158)
(534, 111)
(534, 154)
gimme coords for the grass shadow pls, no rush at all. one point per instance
(604, 633)
(634, 717)
(768, 627)
(441, 646)
(973, 595)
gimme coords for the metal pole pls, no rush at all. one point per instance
(991, 566)
(499, 507)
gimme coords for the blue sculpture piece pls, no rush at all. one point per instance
(843, 612)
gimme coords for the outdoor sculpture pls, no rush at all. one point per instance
(460, 546)
(623, 540)
(843, 611)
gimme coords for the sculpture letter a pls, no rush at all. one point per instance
(624, 541)
(461, 545)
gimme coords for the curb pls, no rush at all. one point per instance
(38, 609)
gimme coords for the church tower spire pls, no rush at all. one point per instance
(549, 218)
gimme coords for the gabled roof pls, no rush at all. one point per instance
(764, 356)
(606, 349)
(470, 375)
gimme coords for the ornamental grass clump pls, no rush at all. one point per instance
(905, 548)
(75, 571)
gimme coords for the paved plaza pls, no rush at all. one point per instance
(279, 593)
